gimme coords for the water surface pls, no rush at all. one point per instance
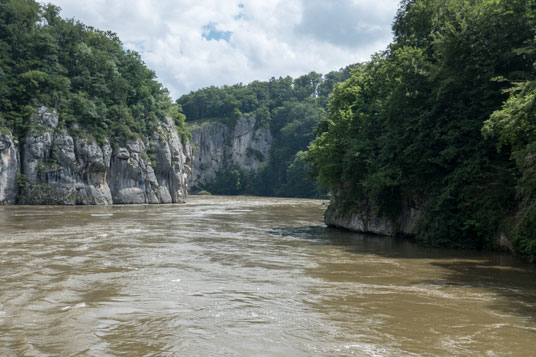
(247, 276)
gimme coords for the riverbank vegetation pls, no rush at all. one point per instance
(290, 108)
(444, 117)
(83, 73)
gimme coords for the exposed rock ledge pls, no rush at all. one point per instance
(364, 219)
(53, 167)
(9, 166)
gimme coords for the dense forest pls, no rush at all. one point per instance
(96, 86)
(291, 108)
(445, 117)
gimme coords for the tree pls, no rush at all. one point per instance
(407, 125)
(81, 72)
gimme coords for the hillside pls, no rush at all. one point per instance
(82, 120)
(435, 136)
(251, 139)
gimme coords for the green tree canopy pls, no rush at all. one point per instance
(83, 73)
(407, 125)
(290, 108)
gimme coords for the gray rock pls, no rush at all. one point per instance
(65, 153)
(130, 195)
(136, 146)
(364, 218)
(46, 117)
(123, 154)
(60, 169)
(9, 166)
(245, 146)
(503, 242)
(358, 222)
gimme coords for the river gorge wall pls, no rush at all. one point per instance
(53, 167)
(365, 216)
(218, 146)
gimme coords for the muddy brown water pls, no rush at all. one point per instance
(247, 276)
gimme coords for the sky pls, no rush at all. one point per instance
(192, 44)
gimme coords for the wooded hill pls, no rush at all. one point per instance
(290, 108)
(445, 117)
(83, 73)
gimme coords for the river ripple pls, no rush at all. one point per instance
(247, 276)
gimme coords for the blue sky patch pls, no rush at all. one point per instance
(138, 46)
(210, 33)
(241, 13)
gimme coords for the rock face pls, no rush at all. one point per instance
(218, 146)
(364, 218)
(57, 168)
(9, 165)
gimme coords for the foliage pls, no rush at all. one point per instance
(83, 73)
(231, 180)
(514, 126)
(290, 108)
(407, 125)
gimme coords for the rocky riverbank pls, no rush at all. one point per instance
(52, 166)
(366, 217)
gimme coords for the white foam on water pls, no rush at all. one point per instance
(102, 214)
(76, 306)
(134, 230)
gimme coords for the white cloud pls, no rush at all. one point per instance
(267, 38)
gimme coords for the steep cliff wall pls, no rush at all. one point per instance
(218, 146)
(57, 168)
(365, 217)
(9, 165)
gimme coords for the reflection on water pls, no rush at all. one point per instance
(247, 276)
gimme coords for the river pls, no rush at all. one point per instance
(247, 276)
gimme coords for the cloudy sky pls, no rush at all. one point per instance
(192, 44)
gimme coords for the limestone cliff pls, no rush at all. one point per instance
(365, 217)
(218, 146)
(56, 168)
(9, 165)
